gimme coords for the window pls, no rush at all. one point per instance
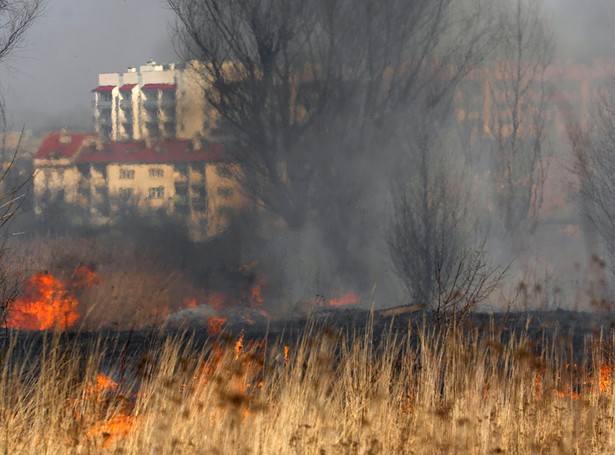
(225, 192)
(156, 193)
(126, 193)
(156, 172)
(127, 174)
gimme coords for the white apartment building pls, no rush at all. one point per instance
(152, 102)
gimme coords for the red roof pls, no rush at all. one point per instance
(128, 86)
(104, 88)
(159, 87)
(166, 151)
(54, 148)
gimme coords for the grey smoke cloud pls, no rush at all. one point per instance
(49, 80)
(584, 29)
(47, 84)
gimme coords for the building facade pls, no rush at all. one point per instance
(152, 102)
(185, 179)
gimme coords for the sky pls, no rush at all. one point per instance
(47, 83)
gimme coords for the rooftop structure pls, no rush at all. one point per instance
(186, 179)
(151, 102)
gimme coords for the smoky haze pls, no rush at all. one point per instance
(48, 83)
(378, 177)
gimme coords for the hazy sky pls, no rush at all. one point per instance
(47, 83)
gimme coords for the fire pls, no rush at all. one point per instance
(217, 300)
(191, 303)
(104, 383)
(586, 383)
(349, 298)
(84, 278)
(118, 425)
(606, 377)
(46, 304)
(286, 353)
(238, 347)
(214, 326)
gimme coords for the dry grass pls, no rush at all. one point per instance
(419, 392)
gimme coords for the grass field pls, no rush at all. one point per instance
(423, 391)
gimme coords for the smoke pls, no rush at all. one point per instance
(583, 30)
(342, 244)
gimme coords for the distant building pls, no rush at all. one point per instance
(152, 102)
(188, 180)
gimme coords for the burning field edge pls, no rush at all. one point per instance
(339, 381)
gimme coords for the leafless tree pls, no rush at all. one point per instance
(309, 95)
(594, 165)
(435, 240)
(16, 18)
(302, 88)
(519, 100)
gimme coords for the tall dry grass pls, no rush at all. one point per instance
(423, 391)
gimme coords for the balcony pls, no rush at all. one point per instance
(126, 104)
(102, 104)
(150, 103)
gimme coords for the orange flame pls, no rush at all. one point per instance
(84, 278)
(286, 353)
(46, 304)
(119, 424)
(214, 326)
(349, 298)
(104, 383)
(256, 298)
(191, 303)
(606, 377)
(217, 300)
(238, 347)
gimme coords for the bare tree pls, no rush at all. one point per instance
(434, 240)
(519, 100)
(288, 78)
(593, 148)
(309, 95)
(16, 18)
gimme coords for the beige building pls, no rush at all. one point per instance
(185, 179)
(152, 102)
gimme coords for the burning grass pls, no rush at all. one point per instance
(423, 391)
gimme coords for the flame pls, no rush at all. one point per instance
(606, 377)
(286, 353)
(104, 383)
(46, 304)
(191, 303)
(349, 298)
(84, 278)
(238, 347)
(256, 294)
(120, 424)
(214, 326)
(217, 300)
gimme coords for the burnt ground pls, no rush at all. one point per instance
(569, 331)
